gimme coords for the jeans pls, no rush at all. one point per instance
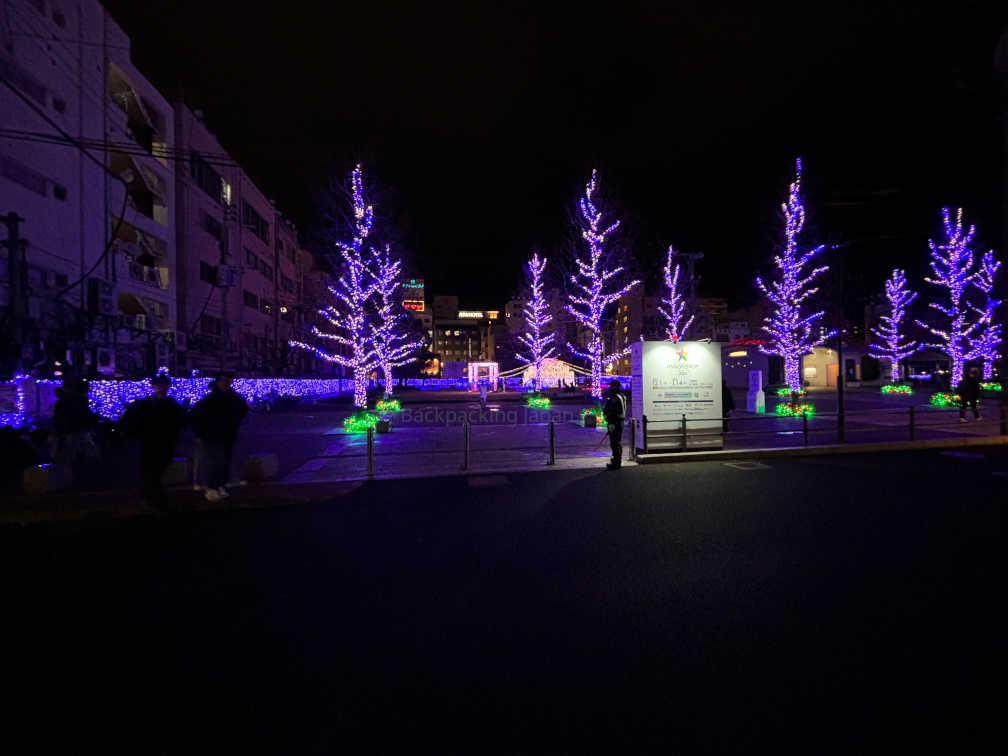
(216, 466)
(973, 405)
(616, 442)
(152, 467)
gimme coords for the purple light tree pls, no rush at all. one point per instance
(790, 330)
(987, 345)
(952, 265)
(674, 303)
(391, 348)
(893, 348)
(353, 290)
(595, 283)
(537, 317)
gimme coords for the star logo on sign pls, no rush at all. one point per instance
(682, 355)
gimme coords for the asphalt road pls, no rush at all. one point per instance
(813, 605)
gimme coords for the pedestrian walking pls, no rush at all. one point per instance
(727, 405)
(483, 393)
(215, 420)
(614, 411)
(155, 421)
(969, 394)
(72, 443)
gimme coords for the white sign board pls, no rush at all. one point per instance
(671, 380)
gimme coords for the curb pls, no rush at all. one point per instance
(816, 451)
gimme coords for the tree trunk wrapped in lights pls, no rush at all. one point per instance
(674, 303)
(790, 331)
(537, 317)
(391, 348)
(987, 345)
(595, 285)
(952, 265)
(893, 347)
(353, 290)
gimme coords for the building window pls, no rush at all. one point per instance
(58, 17)
(266, 270)
(59, 104)
(250, 299)
(251, 260)
(212, 226)
(286, 284)
(211, 325)
(59, 192)
(208, 272)
(225, 192)
(255, 222)
(205, 176)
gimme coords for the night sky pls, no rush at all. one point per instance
(481, 121)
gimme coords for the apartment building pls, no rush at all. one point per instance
(85, 162)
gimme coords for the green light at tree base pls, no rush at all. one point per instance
(794, 410)
(897, 388)
(359, 422)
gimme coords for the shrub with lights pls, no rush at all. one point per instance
(537, 401)
(990, 386)
(388, 404)
(359, 422)
(785, 392)
(897, 389)
(786, 409)
(945, 400)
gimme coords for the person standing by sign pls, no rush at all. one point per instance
(614, 411)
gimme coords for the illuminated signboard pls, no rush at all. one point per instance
(417, 305)
(413, 283)
(470, 314)
(492, 314)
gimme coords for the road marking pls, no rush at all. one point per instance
(488, 481)
(961, 454)
(747, 465)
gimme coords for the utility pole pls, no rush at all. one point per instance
(841, 419)
(18, 288)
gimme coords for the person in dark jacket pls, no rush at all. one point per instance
(72, 438)
(614, 411)
(155, 421)
(969, 393)
(215, 419)
(727, 405)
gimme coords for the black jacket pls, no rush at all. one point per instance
(217, 415)
(71, 414)
(614, 408)
(969, 389)
(156, 422)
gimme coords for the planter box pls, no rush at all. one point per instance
(590, 421)
(383, 426)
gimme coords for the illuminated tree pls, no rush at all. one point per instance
(595, 284)
(790, 331)
(391, 348)
(987, 345)
(537, 317)
(893, 348)
(353, 290)
(952, 265)
(674, 303)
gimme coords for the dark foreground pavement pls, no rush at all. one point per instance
(852, 604)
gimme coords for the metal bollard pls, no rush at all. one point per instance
(644, 433)
(552, 444)
(370, 451)
(841, 426)
(465, 449)
(633, 439)
(912, 426)
(684, 432)
(804, 427)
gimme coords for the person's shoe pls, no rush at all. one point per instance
(222, 492)
(197, 487)
(211, 495)
(963, 420)
(978, 417)
(611, 466)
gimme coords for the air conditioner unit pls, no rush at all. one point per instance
(105, 360)
(140, 322)
(101, 299)
(163, 277)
